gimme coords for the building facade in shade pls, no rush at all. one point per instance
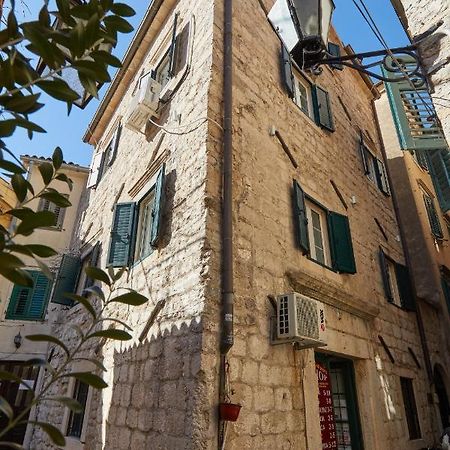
(312, 215)
(419, 174)
(7, 201)
(25, 311)
(417, 17)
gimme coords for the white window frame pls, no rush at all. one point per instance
(311, 207)
(146, 204)
(299, 80)
(393, 283)
(60, 212)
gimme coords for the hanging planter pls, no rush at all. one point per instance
(229, 411)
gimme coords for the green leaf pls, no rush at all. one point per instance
(43, 251)
(48, 338)
(117, 335)
(12, 377)
(121, 9)
(93, 361)
(20, 213)
(19, 184)
(7, 127)
(54, 433)
(10, 166)
(56, 198)
(11, 445)
(118, 24)
(120, 322)
(89, 378)
(39, 362)
(83, 301)
(20, 103)
(6, 409)
(59, 90)
(95, 290)
(106, 58)
(17, 276)
(97, 274)
(9, 261)
(39, 219)
(44, 269)
(130, 298)
(63, 177)
(30, 126)
(71, 403)
(57, 158)
(89, 84)
(46, 170)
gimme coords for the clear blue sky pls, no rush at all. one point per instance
(67, 131)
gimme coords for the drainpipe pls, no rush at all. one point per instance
(226, 339)
(419, 318)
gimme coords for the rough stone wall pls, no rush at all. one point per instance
(155, 386)
(276, 385)
(420, 16)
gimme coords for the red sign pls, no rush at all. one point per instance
(326, 412)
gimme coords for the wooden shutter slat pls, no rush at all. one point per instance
(382, 177)
(286, 71)
(335, 51)
(122, 235)
(158, 207)
(300, 218)
(433, 217)
(39, 297)
(322, 108)
(404, 287)
(385, 276)
(341, 246)
(439, 165)
(66, 280)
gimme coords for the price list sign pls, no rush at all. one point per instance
(326, 413)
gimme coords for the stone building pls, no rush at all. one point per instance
(7, 202)
(419, 174)
(312, 214)
(25, 311)
(417, 17)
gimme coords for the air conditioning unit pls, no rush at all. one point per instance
(299, 319)
(144, 104)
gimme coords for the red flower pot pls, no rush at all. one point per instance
(229, 411)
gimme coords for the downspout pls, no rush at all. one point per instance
(226, 339)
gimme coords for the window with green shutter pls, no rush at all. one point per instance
(433, 217)
(439, 167)
(30, 303)
(286, 71)
(301, 221)
(413, 113)
(137, 227)
(322, 108)
(66, 280)
(342, 256)
(335, 52)
(446, 290)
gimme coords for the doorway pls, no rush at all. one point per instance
(441, 391)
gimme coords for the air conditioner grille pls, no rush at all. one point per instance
(307, 320)
(283, 317)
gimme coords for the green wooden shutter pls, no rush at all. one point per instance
(66, 281)
(286, 71)
(119, 254)
(93, 261)
(335, 51)
(30, 303)
(158, 207)
(385, 276)
(364, 157)
(173, 45)
(114, 145)
(421, 158)
(404, 287)
(411, 111)
(439, 165)
(300, 218)
(322, 108)
(446, 291)
(341, 246)
(433, 217)
(382, 178)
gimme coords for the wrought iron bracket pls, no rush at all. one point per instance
(392, 60)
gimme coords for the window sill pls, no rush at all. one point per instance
(137, 262)
(52, 229)
(24, 319)
(321, 265)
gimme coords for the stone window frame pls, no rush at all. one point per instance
(73, 443)
(300, 79)
(312, 206)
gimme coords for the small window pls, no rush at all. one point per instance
(318, 234)
(76, 420)
(393, 284)
(374, 169)
(30, 303)
(302, 94)
(162, 70)
(420, 158)
(409, 402)
(433, 217)
(144, 227)
(88, 260)
(46, 205)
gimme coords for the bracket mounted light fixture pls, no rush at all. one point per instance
(303, 26)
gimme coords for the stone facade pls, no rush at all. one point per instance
(164, 387)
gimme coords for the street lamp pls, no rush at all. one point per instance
(303, 26)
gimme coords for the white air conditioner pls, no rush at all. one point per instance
(144, 104)
(301, 320)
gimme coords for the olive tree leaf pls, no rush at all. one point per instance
(8, 165)
(130, 298)
(17, 276)
(57, 158)
(98, 274)
(93, 361)
(71, 403)
(121, 9)
(96, 290)
(63, 177)
(11, 445)
(54, 433)
(6, 409)
(36, 220)
(20, 186)
(56, 198)
(48, 338)
(42, 251)
(89, 378)
(117, 335)
(83, 301)
(46, 170)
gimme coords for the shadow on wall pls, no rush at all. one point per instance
(156, 393)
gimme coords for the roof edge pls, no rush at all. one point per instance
(65, 165)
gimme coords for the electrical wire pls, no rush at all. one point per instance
(182, 133)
